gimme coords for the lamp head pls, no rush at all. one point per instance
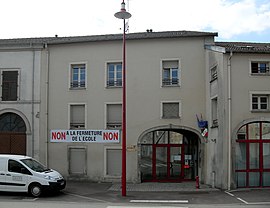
(123, 14)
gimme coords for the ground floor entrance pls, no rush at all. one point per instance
(169, 155)
(252, 161)
(12, 134)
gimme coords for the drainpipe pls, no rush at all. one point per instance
(229, 120)
(32, 103)
(47, 104)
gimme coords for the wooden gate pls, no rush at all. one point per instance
(13, 143)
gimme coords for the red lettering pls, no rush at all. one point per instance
(58, 135)
(110, 136)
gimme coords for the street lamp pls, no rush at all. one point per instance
(123, 14)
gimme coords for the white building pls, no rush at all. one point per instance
(173, 79)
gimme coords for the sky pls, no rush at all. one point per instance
(234, 20)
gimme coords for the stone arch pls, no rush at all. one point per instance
(20, 114)
(187, 134)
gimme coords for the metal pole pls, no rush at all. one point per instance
(124, 115)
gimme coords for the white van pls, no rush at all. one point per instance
(24, 174)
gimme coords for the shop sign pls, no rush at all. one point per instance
(89, 136)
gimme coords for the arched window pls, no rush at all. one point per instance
(10, 122)
(252, 163)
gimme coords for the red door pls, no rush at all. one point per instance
(13, 143)
(168, 165)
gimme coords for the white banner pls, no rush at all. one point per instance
(91, 136)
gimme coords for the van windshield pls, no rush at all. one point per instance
(34, 165)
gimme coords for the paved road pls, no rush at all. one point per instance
(85, 194)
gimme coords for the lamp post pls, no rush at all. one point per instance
(123, 14)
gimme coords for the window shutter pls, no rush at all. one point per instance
(170, 64)
(114, 112)
(170, 110)
(77, 114)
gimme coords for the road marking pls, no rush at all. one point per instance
(140, 207)
(30, 199)
(229, 193)
(85, 197)
(159, 201)
(242, 200)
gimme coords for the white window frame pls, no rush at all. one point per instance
(85, 114)
(258, 61)
(105, 112)
(105, 161)
(175, 101)
(18, 83)
(260, 94)
(115, 62)
(70, 73)
(178, 72)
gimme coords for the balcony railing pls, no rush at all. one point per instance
(170, 82)
(113, 83)
(77, 84)
(114, 125)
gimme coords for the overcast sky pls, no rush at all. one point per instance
(234, 20)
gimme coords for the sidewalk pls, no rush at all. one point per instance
(111, 192)
(89, 187)
(163, 187)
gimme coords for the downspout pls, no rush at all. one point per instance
(47, 104)
(229, 119)
(32, 104)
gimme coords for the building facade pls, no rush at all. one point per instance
(195, 107)
(20, 66)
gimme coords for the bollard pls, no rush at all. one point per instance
(197, 182)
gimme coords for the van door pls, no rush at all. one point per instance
(3, 169)
(17, 176)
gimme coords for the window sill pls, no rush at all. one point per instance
(178, 117)
(171, 85)
(260, 74)
(113, 87)
(260, 111)
(77, 88)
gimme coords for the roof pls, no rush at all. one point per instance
(110, 37)
(245, 47)
(19, 157)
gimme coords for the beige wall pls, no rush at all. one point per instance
(144, 92)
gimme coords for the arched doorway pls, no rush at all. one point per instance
(12, 134)
(168, 155)
(252, 162)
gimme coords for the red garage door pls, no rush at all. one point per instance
(12, 134)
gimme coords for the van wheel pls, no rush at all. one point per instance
(35, 190)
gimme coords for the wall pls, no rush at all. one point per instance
(144, 92)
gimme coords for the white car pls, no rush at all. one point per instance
(24, 174)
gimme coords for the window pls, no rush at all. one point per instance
(114, 75)
(113, 167)
(170, 73)
(214, 112)
(171, 110)
(9, 85)
(77, 116)
(260, 102)
(214, 73)
(78, 75)
(114, 116)
(16, 167)
(252, 161)
(77, 160)
(260, 68)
